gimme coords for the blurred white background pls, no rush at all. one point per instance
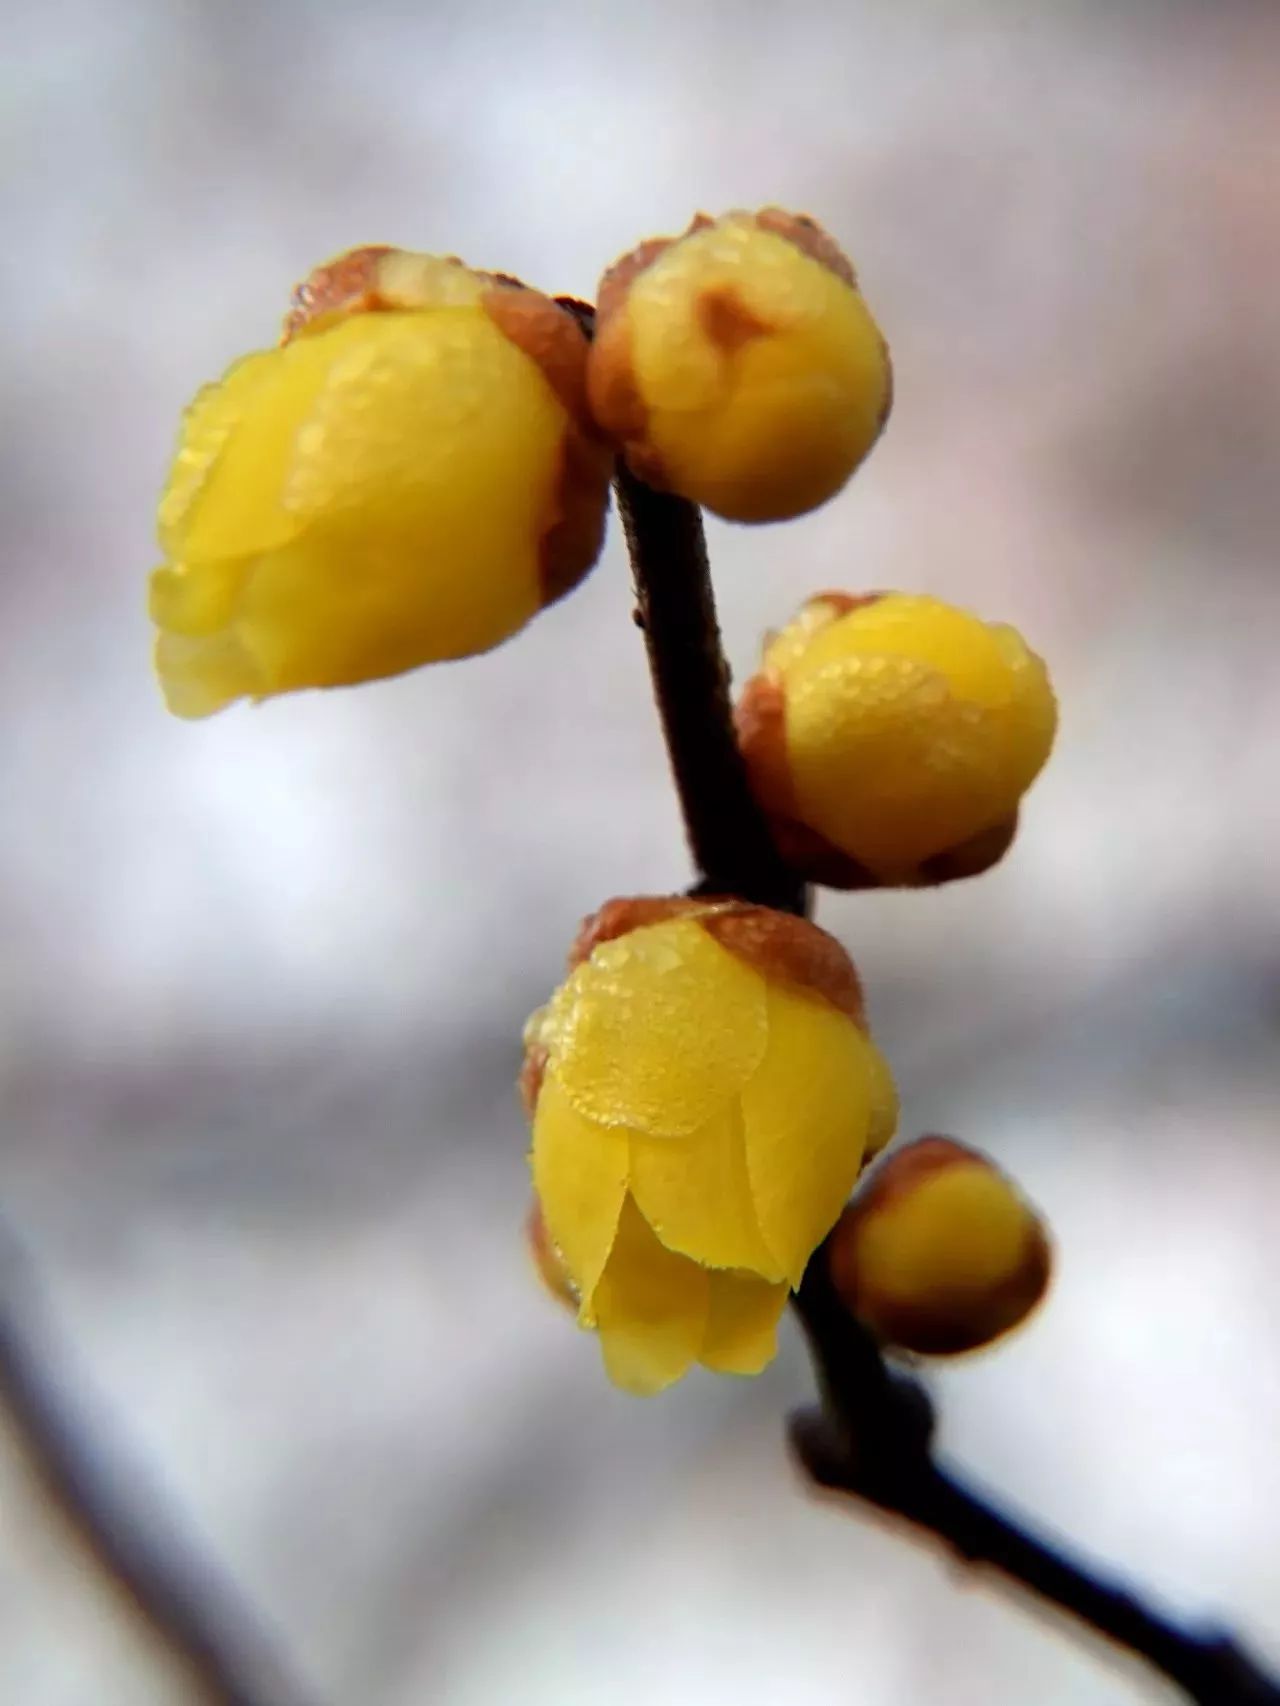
(263, 978)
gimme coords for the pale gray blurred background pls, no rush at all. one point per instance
(262, 979)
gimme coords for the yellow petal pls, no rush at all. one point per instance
(657, 1030)
(197, 601)
(223, 495)
(341, 606)
(806, 1111)
(651, 1307)
(201, 676)
(742, 1323)
(695, 1194)
(888, 765)
(967, 652)
(580, 1176)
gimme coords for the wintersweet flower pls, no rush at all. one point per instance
(703, 1091)
(939, 1253)
(409, 477)
(891, 737)
(739, 366)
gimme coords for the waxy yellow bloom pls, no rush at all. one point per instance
(409, 477)
(703, 1092)
(738, 366)
(890, 738)
(939, 1253)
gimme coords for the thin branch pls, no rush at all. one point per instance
(127, 1530)
(873, 1436)
(729, 840)
(872, 1439)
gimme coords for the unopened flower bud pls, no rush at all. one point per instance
(738, 365)
(890, 738)
(409, 477)
(939, 1253)
(703, 1090)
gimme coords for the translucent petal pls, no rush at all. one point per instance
(201, 676)
(580, 1176)
(420, 417)
(197, 601)
(806, 1111)
(224, 493)
(742, 1323)
(658, 1030)
(695, 1194)
(651, 1307)
(970, 655)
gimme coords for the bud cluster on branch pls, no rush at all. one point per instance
(420, 466)
(423, 464)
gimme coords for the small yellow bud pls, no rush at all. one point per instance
(939, 1254)
(738, 365)
(891, 737)
(702, 1091)
(409, 477)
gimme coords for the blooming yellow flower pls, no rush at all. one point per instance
(703, 1092)
(408, 478)
(738, 365)
(891, 738)
(939, 1253)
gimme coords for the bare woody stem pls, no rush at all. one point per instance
(729, 839)
(187, 1606)
(872, 1438)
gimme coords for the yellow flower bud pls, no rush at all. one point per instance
(939, 1254)
(409, 477)
(890, 738)
(738, 366)
(702, 1090)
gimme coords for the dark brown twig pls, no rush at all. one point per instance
(873, 1436)
(180, 1597)
(729, 840)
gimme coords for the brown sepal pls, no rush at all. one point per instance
(789, 950)
(810, 238)
(547, 1259)
(554, 341)
(616, 405)
(550, 336)
(760, 723)
(971, 858)
(570, 545)
(347, 284)
(619, 917)
(783, 948)
(532, 1071)
(726, 320)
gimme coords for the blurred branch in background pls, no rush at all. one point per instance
(125, 1526)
